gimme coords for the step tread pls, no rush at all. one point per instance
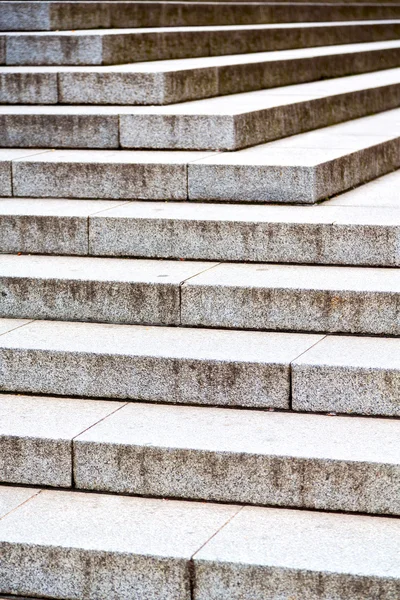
(139, 538)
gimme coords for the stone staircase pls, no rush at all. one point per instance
(200, 300)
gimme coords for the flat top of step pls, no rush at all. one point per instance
(231, 105)
(87, 268)
(279, 277)
(202, 274)
(51, 418)
(383, 192)
(116, 523)
(104, 156)
(251, 432)
(310, 541)
(197, 28)
(11, 497)
(209, 61)
(324, 213)
(172, 342)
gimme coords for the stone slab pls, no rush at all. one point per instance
(274, 553)
(349, 375)
(240, 120)
(28, 88)
(253, 457)
(223, 123)
(36, 436)
(297, 234)
(7, 325)
(105, 174)
(382, 193)
(295, 298)
(40, 127)
(105, 547)
(304, 168)
(174, 365)
(12, 497)
(116, 46)
(47, 226)
(179, 80)
(22, 16)
(94, 289)
(6, 157)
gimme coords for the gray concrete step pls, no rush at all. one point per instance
(48, 16)
(169, 81)
(302, 169)
(113, 46)
(359, 228)
(94, 289)
(225, 123)
(343, 374)
(160, 364)
(291, 298)
(347, 464)
(234, 296)
(164, 549)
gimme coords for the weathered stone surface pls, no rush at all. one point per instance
(180, 80)
(274, 553)
(20, 16)
(349, 375)
(11, 498)
(178, 365)
(47, 226)
(36, 436)
(94, 289)
(113, 46)
(6, 157)
(58, 127)
(299, 298)
(29, 87)
(243, 456)
(381, 193)
(105, 174)
(321, 234)
(303, 168)
(103, 547)
(241, 120)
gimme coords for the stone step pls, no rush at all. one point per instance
(50, 16)
(291, 298)
(160, 364)
(213, 454)
(302, 169)
(179, 80)
(306, 298)
(113, 46)
(323, 234)
(225, 123)
(175, 550)
(342, 374)
(105, 290)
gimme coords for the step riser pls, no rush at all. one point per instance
(240, 307)
(126, 48)
(180, 86)
(187, 132)
(27, 16)
(329, 244)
